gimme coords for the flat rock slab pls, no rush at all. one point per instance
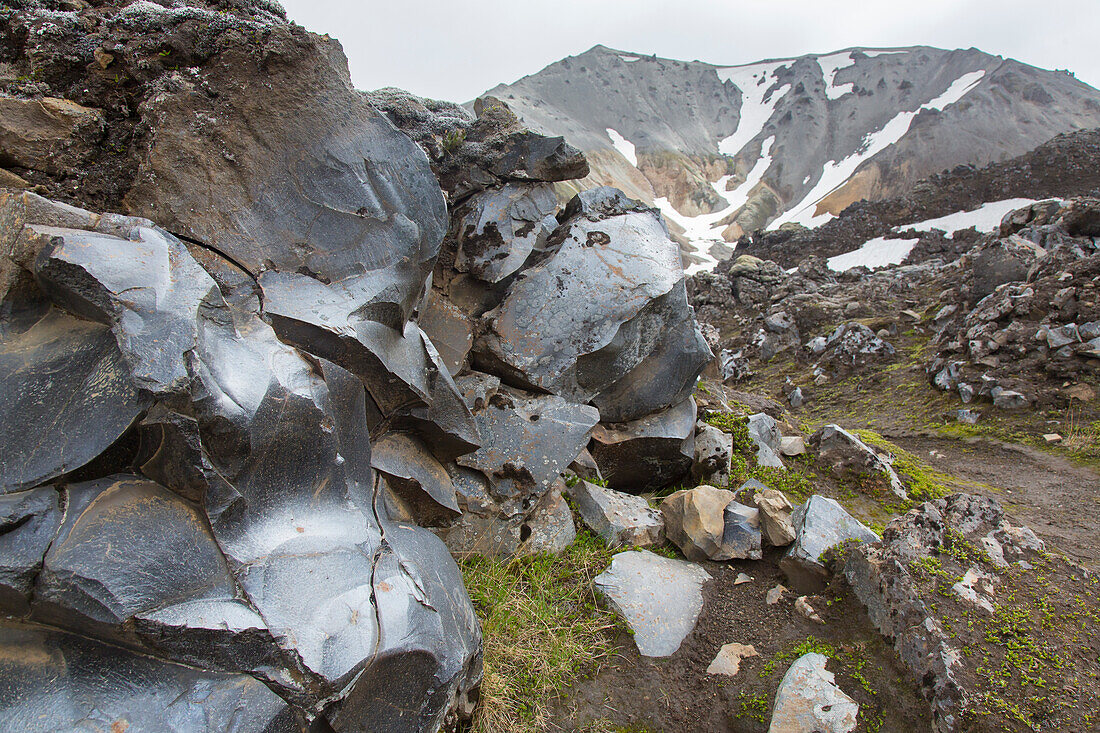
(660, 598)
(808, 700)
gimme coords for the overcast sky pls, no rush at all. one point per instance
(456, 49)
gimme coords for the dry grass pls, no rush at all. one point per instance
(542, 629)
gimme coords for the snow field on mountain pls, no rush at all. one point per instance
(830, 65)
(757, 105)
(704, 230)
(985, 218)
(834, 174)
(624, 146)
(877, 252)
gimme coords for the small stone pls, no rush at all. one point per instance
(795, 398)
(911, 315)
(792, 445)
(966, 393)
(742, 578)
(775, 595)
(1052, 438)
(969, 417)
(764, 432)
(728, 660)
(808, 700)
(803, 607)
(1007, 399)
(102, 58)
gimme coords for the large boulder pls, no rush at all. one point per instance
(648, 453)
(48, 134)
(605, 319)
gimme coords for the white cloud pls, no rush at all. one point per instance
(456, 50)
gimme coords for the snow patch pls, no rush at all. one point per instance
(830, 65)
(834, 174)
(873, 53)
(985, 218)
(757, 105)
(624, 146)
(629, 59)
(878, 252)
(704, 230)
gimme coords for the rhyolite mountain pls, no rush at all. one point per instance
(725, 150)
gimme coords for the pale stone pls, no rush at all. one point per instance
(808, 700)
(728, 659)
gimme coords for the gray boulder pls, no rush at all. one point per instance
(497, 230)
(819, 524)
(846, 452)
(658, 597)
(708, 524)
(713, 455)
(605, 319)
(622, 520)
(648, 453)
(764, 432)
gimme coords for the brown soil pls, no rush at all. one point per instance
(644, 695)
(1059, 500)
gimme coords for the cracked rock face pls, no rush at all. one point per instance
(605, 319)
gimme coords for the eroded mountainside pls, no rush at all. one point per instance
(728, 150)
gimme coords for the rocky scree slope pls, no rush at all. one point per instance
(240, 414)
(729, 150)
(1062, 167)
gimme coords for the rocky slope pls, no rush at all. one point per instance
(729, 150)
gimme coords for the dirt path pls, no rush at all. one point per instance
(1060, 501)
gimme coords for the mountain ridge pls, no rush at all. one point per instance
(693, 137)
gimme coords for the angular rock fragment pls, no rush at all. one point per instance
(728, 660)
(497, 230)
(622, 520)
(659, 598)
(28, 524)
(775, 516)
(707, 523)
(550, 527)
(59, 681)
(528, 442)
(611, 300)
(66, 377)
(404, 374)
(819, 524)
(808, 700)
(764, 432)
(416, 476)
(48, 134)
(713, 455)
(147, 287)
(449, 329)
(648, 453)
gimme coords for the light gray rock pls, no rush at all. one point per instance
(792, 445)
(659, 598)
(808, 700)
(764, 432)
(1007, 399)
(795, 398)
(622, 520)
(497, 230)
(742, 531)
(713, 455)
(819, 524)
(605, 319)
(969, 417)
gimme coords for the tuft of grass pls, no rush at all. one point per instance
(542, 628)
